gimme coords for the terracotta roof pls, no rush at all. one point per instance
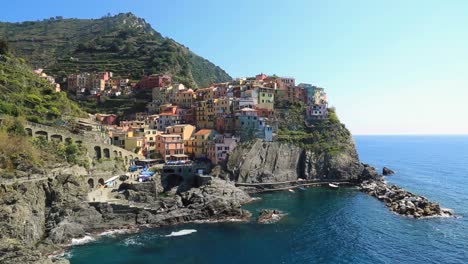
(167, 114)
(203, 132)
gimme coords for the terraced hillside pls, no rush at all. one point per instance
(123, 44)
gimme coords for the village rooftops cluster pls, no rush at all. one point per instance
(48, 78)
(207, 123)
(98, 84)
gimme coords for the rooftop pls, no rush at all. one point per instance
(203, 132)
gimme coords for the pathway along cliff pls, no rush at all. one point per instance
(43, 216)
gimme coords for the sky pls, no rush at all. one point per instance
(389, 67)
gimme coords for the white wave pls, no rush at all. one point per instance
(181, 232)
(114, 232)
(132, 242)
(81, 241)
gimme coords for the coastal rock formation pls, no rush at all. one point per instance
(40, 215)
(262, 162)
(386, 171)
(403, 202)
(50, 208)
(216, 200)
(268, 216)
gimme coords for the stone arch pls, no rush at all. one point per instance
(115, 154)
(43, 134)
(97, 152)
(106, 153)
(29, 131)
(68, 140)
(91, 183)
(120, 154)
(101, 181)
(126, 160)
(56, 137)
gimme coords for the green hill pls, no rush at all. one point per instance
(23, 93)
(123, 44)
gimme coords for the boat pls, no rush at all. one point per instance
(291, 190)
(333, 186)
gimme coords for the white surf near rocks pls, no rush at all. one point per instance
(182, 232)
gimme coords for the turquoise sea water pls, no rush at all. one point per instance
(326, 226)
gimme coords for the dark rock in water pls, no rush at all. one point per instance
(402, 201)
(269, 216)
(386, 171)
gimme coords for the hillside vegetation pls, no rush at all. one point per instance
(23, 93)
(322, 136)
(123, 44)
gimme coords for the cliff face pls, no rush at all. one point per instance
(38, 213)
(277, 161)
(36, 217)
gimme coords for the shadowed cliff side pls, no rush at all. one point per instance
(322, 151)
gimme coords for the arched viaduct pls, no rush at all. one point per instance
(95, 150)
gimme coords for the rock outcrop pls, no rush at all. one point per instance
(269, 216)
(261, 162)
(386, 171)
(403, 202)
(42, 213)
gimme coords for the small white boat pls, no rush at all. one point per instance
(291, 190)
(333, 186)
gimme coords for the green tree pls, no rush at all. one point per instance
(3, 47)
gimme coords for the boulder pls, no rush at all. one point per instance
(386, 171)
(269, 216)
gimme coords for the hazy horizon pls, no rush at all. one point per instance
(389, 68)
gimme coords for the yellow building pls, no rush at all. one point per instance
(197, 146)
(118, 137)
(136, 145)
(222, 106)
(205, 114)
(266, 98)
(205, 94)
(185, 131)
(185, 99)
(150, 136)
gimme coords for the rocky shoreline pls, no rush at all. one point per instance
(270, 216)
(42, 217)
(403, 202)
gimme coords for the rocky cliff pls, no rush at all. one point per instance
(260, 162)
(38, 217)
(35, 215)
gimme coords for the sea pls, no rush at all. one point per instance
(324, 225)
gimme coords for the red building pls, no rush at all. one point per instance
(107, 119)
(260, 77)
(154, 80)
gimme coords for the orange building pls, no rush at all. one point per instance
(168, 145)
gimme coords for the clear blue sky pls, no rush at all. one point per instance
(389, 67)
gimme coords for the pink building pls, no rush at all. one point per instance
(260, 77)
(168, 145)
(218, 149)
(155, 80)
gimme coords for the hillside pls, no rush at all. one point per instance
(23, 93)
(123, 44)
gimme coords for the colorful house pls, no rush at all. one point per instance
(168, 145)
(185, 131)
(266, 98)
(219, 148)
(197, 145)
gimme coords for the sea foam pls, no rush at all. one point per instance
(181, 232)
(81, 241)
